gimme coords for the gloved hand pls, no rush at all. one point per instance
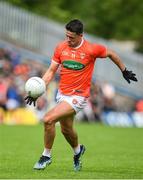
(29, 100)
(129, 75)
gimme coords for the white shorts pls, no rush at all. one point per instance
(77, 102)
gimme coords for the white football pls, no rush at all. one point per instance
(35, 87)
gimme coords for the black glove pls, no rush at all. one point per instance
(129, 75)
(29, 100)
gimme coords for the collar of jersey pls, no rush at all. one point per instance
(79, 44)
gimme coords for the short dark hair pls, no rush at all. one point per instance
(75, 25)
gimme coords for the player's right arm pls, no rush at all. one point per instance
(48, 76)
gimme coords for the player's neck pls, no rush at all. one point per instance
(79, 44)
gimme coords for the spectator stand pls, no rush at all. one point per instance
(16, 66)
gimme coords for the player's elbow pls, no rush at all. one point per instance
(111, 54)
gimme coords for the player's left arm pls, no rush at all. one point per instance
(128, 75)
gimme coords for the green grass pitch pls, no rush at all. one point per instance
(110, 153)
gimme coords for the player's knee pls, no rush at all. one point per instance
(49, 120)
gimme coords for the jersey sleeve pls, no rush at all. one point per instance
(56, 56)
(100, 51)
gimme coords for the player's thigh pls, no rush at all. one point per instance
(60, 111)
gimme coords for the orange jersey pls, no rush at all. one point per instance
(77, 66)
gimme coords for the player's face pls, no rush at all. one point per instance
(73, 39)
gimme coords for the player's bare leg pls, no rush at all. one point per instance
(68, 131)
(72, 138)
(60, 111)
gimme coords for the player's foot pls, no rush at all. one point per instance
(77, 159)
(43, 162)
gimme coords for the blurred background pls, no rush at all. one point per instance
(29, 32)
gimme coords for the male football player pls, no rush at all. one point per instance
(76, 58)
